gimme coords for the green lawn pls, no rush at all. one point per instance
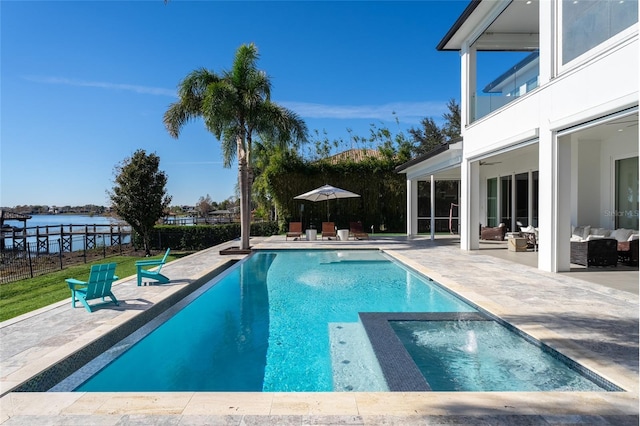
(24, 296)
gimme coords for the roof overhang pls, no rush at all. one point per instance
(463, 27)
(443, 162)
(495, 26)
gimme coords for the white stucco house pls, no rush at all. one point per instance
(551, 139)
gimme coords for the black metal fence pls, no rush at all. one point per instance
(30, 260)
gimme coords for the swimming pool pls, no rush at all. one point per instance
(279, 321)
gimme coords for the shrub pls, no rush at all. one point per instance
(200, 237)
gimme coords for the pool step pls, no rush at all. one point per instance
(354, 365)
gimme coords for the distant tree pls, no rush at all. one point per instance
(451, 129)
(236, 106)
(430, 136)
(203, 206)
(139, 195)
(427, 137)
(228, 204)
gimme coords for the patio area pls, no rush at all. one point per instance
(621, 277)
(594, 323)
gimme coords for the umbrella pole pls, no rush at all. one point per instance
(327, 210)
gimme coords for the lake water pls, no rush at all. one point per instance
(56, 220)
(65, 219)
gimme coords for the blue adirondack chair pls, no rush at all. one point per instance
(99, 285)
(151, 273)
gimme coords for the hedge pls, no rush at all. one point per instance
(200, 237)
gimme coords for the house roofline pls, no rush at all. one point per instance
(438, 150)
(457, 25)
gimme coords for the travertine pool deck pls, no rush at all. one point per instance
(595, 325)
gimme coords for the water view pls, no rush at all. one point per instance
(74, 227)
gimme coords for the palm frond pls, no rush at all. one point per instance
(191, 91)
(281, 125)
(229, 145)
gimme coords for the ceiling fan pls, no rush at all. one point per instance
(489, 163)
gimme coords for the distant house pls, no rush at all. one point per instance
(550, 141)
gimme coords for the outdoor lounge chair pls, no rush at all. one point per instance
(99, 285)
(152, 274)
(328, 229)
(295, 230)
(493, 233)
(356, 231)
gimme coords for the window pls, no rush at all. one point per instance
(492, 202)
(626, 193)
(587, 23)
(505, 202)
(534, 200)
(522, 198)
(446, 194)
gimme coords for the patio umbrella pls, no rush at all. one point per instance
(326, 193)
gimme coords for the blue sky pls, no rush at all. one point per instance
(86, 83)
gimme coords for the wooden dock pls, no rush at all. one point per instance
(42, 235)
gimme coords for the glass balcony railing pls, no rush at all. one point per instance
(517, 81)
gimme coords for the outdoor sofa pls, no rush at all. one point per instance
(592, 246)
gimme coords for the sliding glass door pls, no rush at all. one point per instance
(522, 198)
(512, 199)
(492, 202)
(505, 201)
(626, 193)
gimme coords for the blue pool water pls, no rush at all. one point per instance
(483, 356)
(267, 324)
(288, 321)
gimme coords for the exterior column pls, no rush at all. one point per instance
(468, 85)
(547, 37)
(554, 210)
(530, 200)
(514, 210)
(469, 205)
(432, 200)
(562, 243)
(412, 208)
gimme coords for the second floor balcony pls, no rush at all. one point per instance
(518, 80)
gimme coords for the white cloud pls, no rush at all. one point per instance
(405, 111)
(144, 90)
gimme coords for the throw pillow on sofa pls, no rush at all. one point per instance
(600, 232)
(580, 233)
(621, 234)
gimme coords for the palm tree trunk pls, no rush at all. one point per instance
(245, 203)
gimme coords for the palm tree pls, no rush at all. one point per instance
(236, 106)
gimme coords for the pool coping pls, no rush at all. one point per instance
(355, 407)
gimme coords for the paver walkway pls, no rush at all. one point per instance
(593, 324)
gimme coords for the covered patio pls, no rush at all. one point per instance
(597, 188)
